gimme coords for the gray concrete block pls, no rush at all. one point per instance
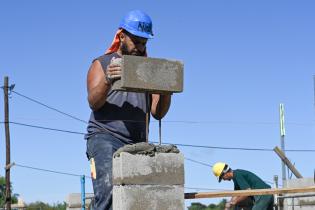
(161, 169)
(300, 203)
(148, 197)
(73, 200)
(303, 182)
(143, 74)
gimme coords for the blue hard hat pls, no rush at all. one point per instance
(137, 23)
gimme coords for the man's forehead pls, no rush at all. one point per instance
(134, 37)
(138, 38)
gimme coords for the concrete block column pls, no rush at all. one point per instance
(143, 182)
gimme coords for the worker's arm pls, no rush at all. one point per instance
(97, 84)
(160, 105)
(236, 200)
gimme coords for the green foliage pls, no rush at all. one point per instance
(2, 192)
(45, 206)
(199, 206)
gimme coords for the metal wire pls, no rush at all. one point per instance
(49, 107)
(49, 170)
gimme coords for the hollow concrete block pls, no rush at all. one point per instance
(155, 75)
(161, 169)
(148, 197)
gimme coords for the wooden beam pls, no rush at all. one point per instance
(248, 192)
(8, 198)
(285, 160)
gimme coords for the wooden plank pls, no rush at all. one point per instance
(248, 192)
(285, 160)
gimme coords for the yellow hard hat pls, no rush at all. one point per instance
(219, 169)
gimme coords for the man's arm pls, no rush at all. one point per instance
(236, 200)
(160, 105)
(97, 86)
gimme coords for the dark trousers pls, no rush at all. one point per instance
(246, 204)
(263, 202)
(101, 148)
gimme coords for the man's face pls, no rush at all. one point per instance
(227, 176)
(133, 45)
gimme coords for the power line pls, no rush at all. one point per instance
(184, 122)
(201, 163)
(165, 121)
(189, 159)
(46, 128)
(49, 107)
(236, 122)
(299, 150)
(135, 121)
(71, 174)
(200, 188)
(66, 114)
(177, 144)
(48, 170)
(241, 148)
(225, 148)
(77, 175)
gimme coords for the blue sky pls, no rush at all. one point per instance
(242, 59)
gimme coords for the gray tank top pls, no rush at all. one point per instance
(123, 114)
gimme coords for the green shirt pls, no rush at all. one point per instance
(245, 179)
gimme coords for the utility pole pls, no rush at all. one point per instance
(282, 134)
(7, 140)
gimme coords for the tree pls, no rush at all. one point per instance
(3, 190)
(45, 206)
(199, 206)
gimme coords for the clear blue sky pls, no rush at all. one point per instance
(242, 58)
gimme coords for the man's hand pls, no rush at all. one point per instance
(231, 203)
(113, 70)
(228, 205)
(234, 201)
